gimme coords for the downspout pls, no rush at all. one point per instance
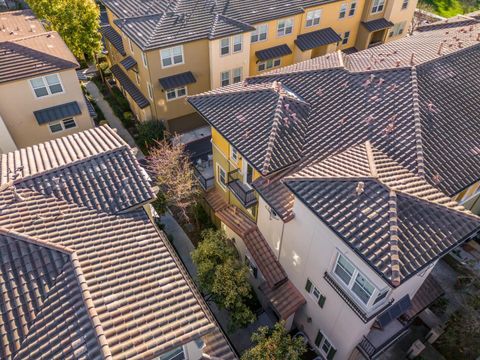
(281, 241)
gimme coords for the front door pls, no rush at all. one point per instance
(247, 173)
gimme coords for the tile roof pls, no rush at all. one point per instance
(114, 38)
(273, 52)
(128, 63)
(378, 24)
(158, 24)
(317, 38)
(57, 112)
(130, 87)
(101, 282)
(34, 55)
(418, 119)
(174, 81)
(19, 24)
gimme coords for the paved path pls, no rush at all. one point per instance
(110, 116)
(240, 339)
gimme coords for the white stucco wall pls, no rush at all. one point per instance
(271, 227)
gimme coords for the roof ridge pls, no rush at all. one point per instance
(277, 116)
(46, 33)
(35, 241)
(417, 124)
(394, 238)
(371, 159)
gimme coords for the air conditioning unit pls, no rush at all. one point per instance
(415, 350)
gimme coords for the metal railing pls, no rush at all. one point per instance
(205, 182)
(366, 348)
(242, 192)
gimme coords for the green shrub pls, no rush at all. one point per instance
(148, 132)
(120, 99)
(127, 119)
(203, 219)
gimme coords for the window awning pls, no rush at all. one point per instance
(273, 52)
(395, 311)
(317, 38)
(57, 112)
(128, 63)
(129, 87)
(378, 24)
(114, 38)
(178, 80)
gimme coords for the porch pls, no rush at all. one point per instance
(244, 193)
(200, 153)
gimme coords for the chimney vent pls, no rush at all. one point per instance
(360, 188)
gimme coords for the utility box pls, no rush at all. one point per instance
(415, 350)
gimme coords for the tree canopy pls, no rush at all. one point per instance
(77, 22)
(274, 344)
(223, 276)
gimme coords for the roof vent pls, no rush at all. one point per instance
(360, 188)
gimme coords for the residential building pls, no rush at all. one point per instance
(162, 51)
(40, 96)
(85, 272)
(335, 178)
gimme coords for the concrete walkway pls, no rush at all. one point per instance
(111, 118)
(240, 339)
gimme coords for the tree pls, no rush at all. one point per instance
(148, 133)
(174, 175)
(223, 276)
(275, 344)
(77, 22)
(417, 18)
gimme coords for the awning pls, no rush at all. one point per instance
(378, 24)
(114, 38)
(57, 112)
(178, 80)
(394, 311)
(317, 38)
(273, 52)
(91, 109)
(285, 298)
(129, 87)
(128, 63)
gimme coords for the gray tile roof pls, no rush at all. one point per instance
(114, 38)
(378, 24)
(57, 112)
(108, 284)
(317, 38)
(158, 23)
(273, 52)
(128, 63)
(174, 81)
(130, 87)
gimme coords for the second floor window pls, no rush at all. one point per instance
(404, 4)
(260, 33)
(285, 27)
(237, 43)
(144, 60)
(225, 46)
(353, 8)
(172, 56)
(233, 154)
(176, 93)
(46, 85)
(378, 6)
(343, 11)
(346, 37)
(313, 18)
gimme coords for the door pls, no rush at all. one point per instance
(247, 173)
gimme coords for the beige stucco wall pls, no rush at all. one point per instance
(18, 102)
(6, 141)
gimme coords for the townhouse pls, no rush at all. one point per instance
(40, 96)
(85, 272)
(336, 178)
(162, 51)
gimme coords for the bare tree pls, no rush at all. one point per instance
(174, 175)
(417, 18)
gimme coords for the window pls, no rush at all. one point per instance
(325, 346)
(264, 65)
(130, 44)
(62, 125)
(284, 27)
(137, 78)
(397, 29)
(46, 85)
(343, 11)
(260, 33)
(237, 75)
(344, 269)
(221, 176)
(346, 37)
(248, 173)
(315, 293)
(150, 90)
(353, 8)
(175, 354)
(172, 56)
(233, 154)
(378, 6)
(144, 60)
(224, 46)
(313, 18)
(237, 43)
(381, 295)
(363, 288)
(225, 78)
(176, 93)
(404, 4)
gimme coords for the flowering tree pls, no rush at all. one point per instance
(174, 175)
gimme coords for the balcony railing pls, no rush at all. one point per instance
(204, 176)
(242, 192)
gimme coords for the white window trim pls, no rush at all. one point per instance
(350, 9)
(323, 342)
(286, 19)
(45, 83)
(313, 19)
(232, 150)
(185, 354)
(233, 75)
(229, 46)
(60, 122)
(176, 93)
(150, 90)
(343, 38)
(312, 288)
(346, 11)
(144, 60)
(169, 66)
(377, 6)
(130, 45)
(223, 186)
(239, 36)
(229, 77)
(258, 34)
(268, 68)
(404, 8)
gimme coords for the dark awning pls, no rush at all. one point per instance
(128, 63)
(129, 87)
(57, 112)
(114, 38)
(317, 38)
(273, 52)
(91, 109)
(378, 24)
(175, 81)
(395, 311)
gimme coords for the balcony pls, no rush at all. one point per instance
(200, 153)
(242, 192)
(378, 340)
(203, 171)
